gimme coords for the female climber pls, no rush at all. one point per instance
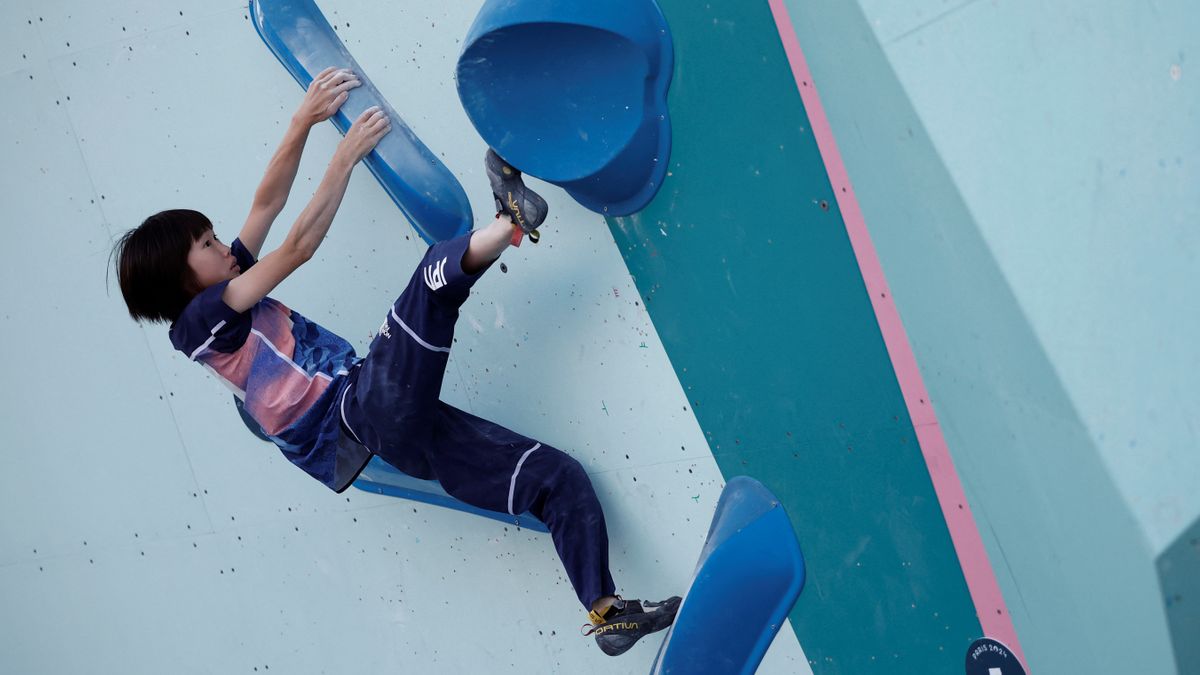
(328, 410)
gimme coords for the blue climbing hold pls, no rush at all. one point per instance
(574, 93)
(750, 571)
(382, 478)
(428, 194)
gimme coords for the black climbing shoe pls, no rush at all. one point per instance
(525, 207)
(628, 621)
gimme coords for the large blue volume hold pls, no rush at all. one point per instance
(574, 93)
(429, 195)
(748, 577)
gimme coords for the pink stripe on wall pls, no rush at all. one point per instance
(981, 580)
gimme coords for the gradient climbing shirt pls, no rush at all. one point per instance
(287, 371)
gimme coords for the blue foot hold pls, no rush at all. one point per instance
(749, 576)
(574, 93)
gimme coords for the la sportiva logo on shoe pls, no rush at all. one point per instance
(516, 210)
(623, 625)
(435, 275)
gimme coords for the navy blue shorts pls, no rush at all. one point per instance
(391, 405)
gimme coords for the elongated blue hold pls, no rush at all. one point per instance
(382, 478)
(749, 575)
(574, 93)
(427, 193)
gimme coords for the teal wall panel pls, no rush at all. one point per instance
(747, 271)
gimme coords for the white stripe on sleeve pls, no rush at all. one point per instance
(207, 342)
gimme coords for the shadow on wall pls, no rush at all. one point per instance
(1179, 574)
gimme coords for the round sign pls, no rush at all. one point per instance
(990, 657)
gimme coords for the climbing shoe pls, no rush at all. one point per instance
(523, 206)
(628, 621)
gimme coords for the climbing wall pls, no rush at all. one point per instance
(1025, 175)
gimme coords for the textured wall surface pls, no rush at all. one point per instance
(1027, 174)
(144, 526)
